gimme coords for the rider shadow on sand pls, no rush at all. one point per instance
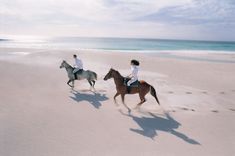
(150, 125)
(94, 99)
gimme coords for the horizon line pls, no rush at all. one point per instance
(108, 37)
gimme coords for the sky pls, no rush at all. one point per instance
(166, 19)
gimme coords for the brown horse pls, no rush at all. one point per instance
(121, 88)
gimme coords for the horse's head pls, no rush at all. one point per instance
(110, 74)
(63, 64)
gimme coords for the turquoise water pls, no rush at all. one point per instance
(121, 44)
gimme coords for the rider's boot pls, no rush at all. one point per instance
(128, 89)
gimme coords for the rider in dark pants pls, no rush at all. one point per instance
(78, 65)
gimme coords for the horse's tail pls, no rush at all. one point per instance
(154, 94)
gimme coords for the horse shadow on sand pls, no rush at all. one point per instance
(150, 125)
(94, 99)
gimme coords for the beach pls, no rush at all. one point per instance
(41, 116)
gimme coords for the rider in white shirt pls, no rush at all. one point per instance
(134, 73)
(78, 64)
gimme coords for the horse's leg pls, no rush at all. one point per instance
(69, 82)
(142, 99)
(90, 84)
(123, 97)
(115, 98)
(93, 84)
(72, 84)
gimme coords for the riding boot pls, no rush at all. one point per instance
(128, 89)
(75, 76)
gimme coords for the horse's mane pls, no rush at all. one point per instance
(118, 73)
(69, 65)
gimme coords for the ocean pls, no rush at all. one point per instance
(119, 44)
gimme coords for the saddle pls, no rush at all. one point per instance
(134, 84)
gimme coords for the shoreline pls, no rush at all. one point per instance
(201, 56)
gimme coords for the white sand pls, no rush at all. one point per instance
(41, 116)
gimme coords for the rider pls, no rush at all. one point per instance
(78, 65)
(134, 73)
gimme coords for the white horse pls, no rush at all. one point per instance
(85, 74)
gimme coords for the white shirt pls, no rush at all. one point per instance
(78, 63)
(134, 71)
